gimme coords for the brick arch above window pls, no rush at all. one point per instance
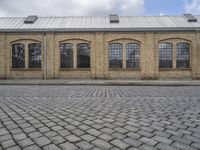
(25, 41)
(173, 40)
(75, 40)
(124, 40)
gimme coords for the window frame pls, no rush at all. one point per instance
(115, 55)
(71, 64)
(24, 49)
(167, 54)
(80, 60)
(136, 51)
(32, 66)
(187, 55)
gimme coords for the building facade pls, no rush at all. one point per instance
(160, 47)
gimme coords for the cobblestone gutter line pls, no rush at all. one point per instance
(103, 82)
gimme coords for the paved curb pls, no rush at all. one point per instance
(104, 82)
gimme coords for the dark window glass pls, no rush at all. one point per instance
(35, 55)
(18, 57)
(132, 55)
(83, 55)
(182, 55)
(66, 55)
(115, 55)
(165, 55)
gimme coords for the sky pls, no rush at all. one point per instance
(14, 8)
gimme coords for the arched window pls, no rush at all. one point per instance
(18, 57)
(165, 55)
(66, 55)
(35, 55)
(115, 55)
(182, 55)
(132, 55)
(83, 55)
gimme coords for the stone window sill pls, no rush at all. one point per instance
(26, 69)
(174, 69)
(124, 69)
(74, 69)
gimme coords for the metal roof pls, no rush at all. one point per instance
(99, 23)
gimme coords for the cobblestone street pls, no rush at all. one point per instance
(99, 117)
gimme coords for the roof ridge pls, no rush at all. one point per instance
(96, 16)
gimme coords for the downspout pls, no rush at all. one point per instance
(45, 57)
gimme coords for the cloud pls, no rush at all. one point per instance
(193, 7)
(161, 14)
(70, 7)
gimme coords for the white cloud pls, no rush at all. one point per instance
(70, 7)
(161, 14)
(193, 7)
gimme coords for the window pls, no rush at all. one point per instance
(18, 57)
(182, 55)
(132, 55)
(66, 55)
(83, 55)
(35, 55)
(115, 55)
(165, 55)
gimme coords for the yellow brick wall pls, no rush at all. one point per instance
(150, 59)
(50, 56)
(149, 55)
(2, 56)
(198, 55)
(99, 58)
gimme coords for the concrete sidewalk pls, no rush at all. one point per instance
(101, 82)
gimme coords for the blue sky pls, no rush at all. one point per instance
(167, 7)
(97, 7)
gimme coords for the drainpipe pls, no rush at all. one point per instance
(45, 57)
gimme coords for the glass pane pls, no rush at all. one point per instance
(66, 55)
(83, 55)
(182, 55)
(165, 55)
(132, 55)
(115, 55)
(35, 55)
(18, 57)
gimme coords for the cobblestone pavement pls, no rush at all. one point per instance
(99, 118)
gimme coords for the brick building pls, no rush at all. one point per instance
(109, 47)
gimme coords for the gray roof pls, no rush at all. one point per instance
(102, 23)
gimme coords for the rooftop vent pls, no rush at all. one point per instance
(114, 18)
(30, 19)
(190, 17)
